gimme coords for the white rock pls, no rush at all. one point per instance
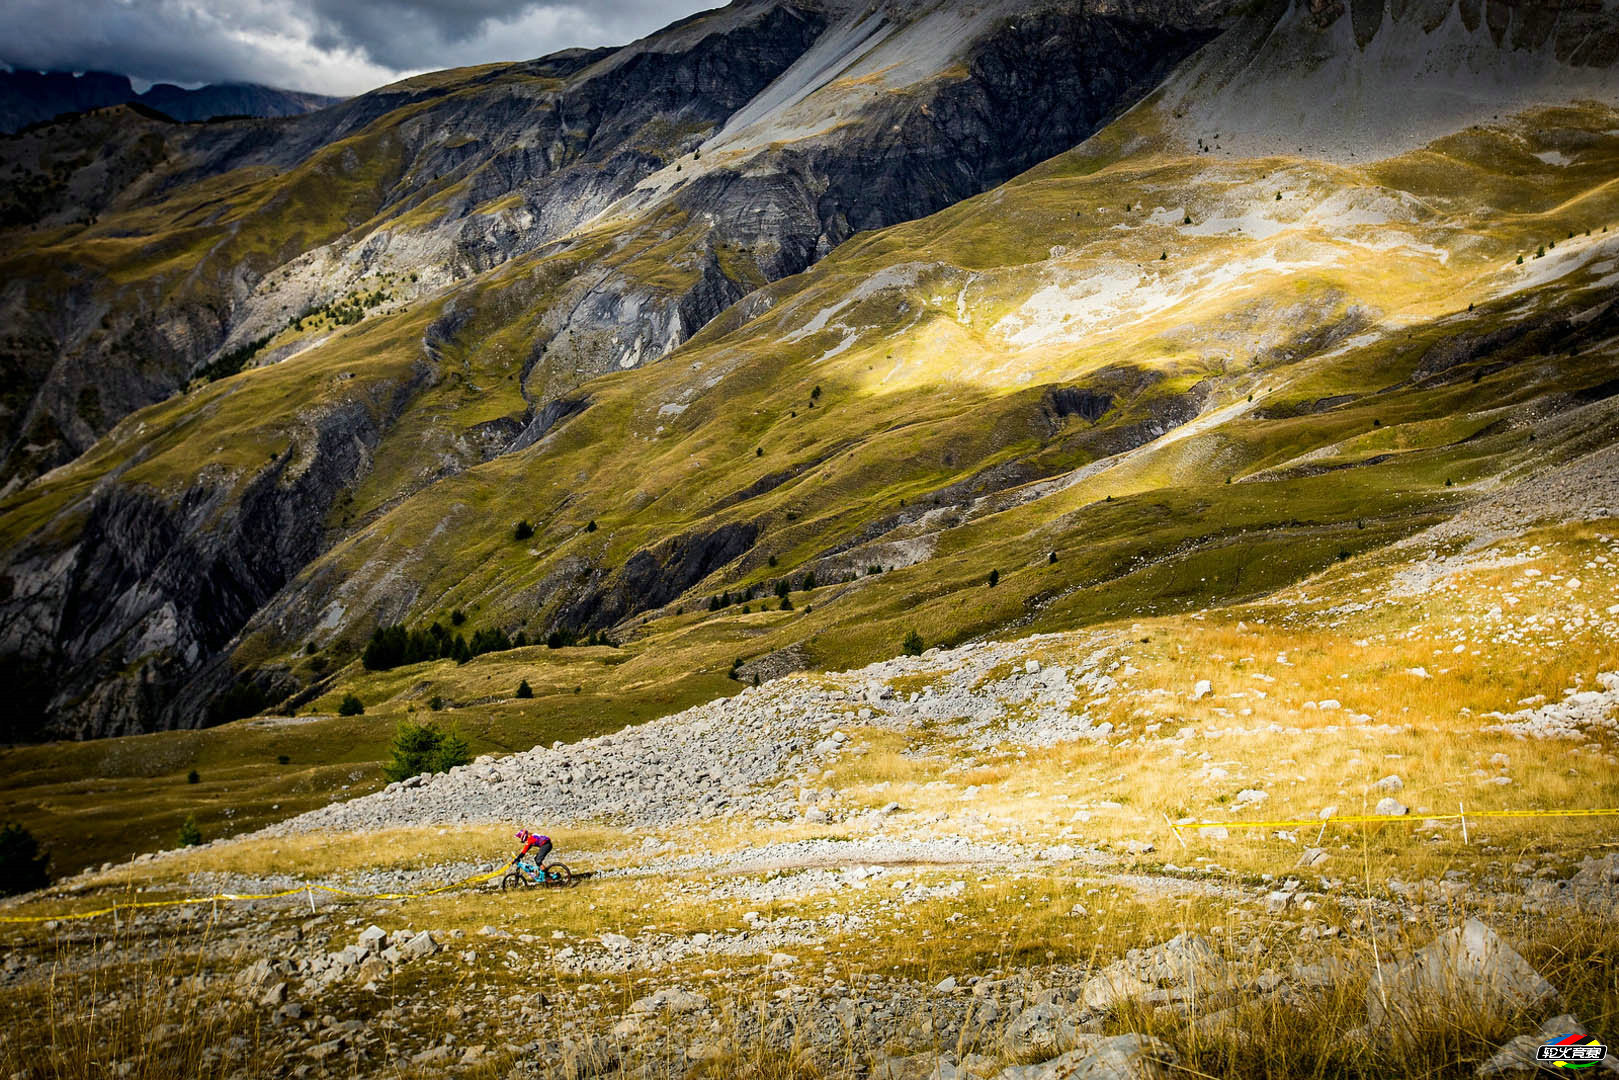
(419, 946)
(670, 1000)
(1465, 972)
(1390, 807)
(1202, 689)
(1099, 1057)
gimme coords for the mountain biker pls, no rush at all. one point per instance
(540, 845)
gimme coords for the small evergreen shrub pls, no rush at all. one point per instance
(524, 690)
(524, 530)
(425, 748)
(283, 759)
(190, 835)
(994, 578)
(193, 777)
(913, 644)
(351, 706)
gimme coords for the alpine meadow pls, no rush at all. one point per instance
(1003, 540)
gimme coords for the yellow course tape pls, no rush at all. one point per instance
(1408, 819)
(475, 879)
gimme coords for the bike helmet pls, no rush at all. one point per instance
(523, 835)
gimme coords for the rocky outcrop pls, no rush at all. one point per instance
(655, 576)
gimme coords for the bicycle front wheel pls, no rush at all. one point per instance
(558, 875)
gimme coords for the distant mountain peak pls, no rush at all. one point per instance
(29, 97)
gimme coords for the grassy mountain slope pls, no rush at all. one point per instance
(456, 256)
(1144, 377)
(937, 448)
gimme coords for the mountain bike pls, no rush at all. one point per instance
(526, 875)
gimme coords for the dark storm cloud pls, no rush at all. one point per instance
(334, 46)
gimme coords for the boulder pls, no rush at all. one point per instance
(1185, 959)
(419, 946)
(928, 1066)
(1040, 1030)
(670, 1000)
(1112, 987)
(1099, 1057)
(1464, 975)
(1388, 806)
(1389, 784)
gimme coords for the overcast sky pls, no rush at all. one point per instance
(329, 46)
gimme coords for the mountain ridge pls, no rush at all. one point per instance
(37, 97)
